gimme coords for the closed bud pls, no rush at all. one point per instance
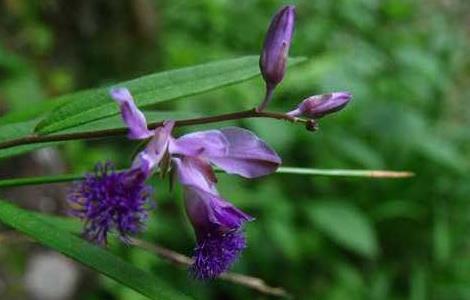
(273, 59)
(318, 106)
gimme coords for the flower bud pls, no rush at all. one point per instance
(276, 46)
(318, 106)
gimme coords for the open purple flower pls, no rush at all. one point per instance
(217, 223)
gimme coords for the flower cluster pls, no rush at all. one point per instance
(217, 223)
(119, 201)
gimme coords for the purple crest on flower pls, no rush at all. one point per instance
(110, 200)
(277, 42)
(131, 115)
(318, 106)
(217, 223)
(216, 253)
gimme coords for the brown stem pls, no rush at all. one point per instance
(176, 258)
(251, 113)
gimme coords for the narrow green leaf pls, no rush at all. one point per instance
(345, 224)
(17, 130)
(18, 150)
(97, 258)
(90, 105)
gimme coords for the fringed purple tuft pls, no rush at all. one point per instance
(110, 200)
(216, 252)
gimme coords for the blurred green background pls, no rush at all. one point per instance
(407, 64)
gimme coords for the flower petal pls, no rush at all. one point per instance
(247, 155)
(158, 144)
(131, 115)
(209, 212)
(193, 171)
(235, 150)
(201, 143)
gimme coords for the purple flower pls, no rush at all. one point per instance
(275, 52)
(108, 200)
(217, 223)
(318, 106)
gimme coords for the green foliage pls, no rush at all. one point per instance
(346, 225)
(101, 260)
(83, 107)
(406, 63)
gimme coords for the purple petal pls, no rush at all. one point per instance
(131, 115)
(247, 156)
(209, 211)
(193, 171)
(202, 143)
(158, 144)
(235, 150)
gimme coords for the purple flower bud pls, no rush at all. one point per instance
(318, 106)
(273, 59)
(109, 200)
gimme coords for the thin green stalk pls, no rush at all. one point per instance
(283, 170)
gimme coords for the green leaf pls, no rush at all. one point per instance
(346, 225)
(90, 105)
(97, 258)
(18, 130)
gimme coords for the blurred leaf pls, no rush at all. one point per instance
(97, 258)
(85, 106)
(441, 237)
(418, 283)
(442, 152)
(357, 150)
(345, 224)
(397, 209)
